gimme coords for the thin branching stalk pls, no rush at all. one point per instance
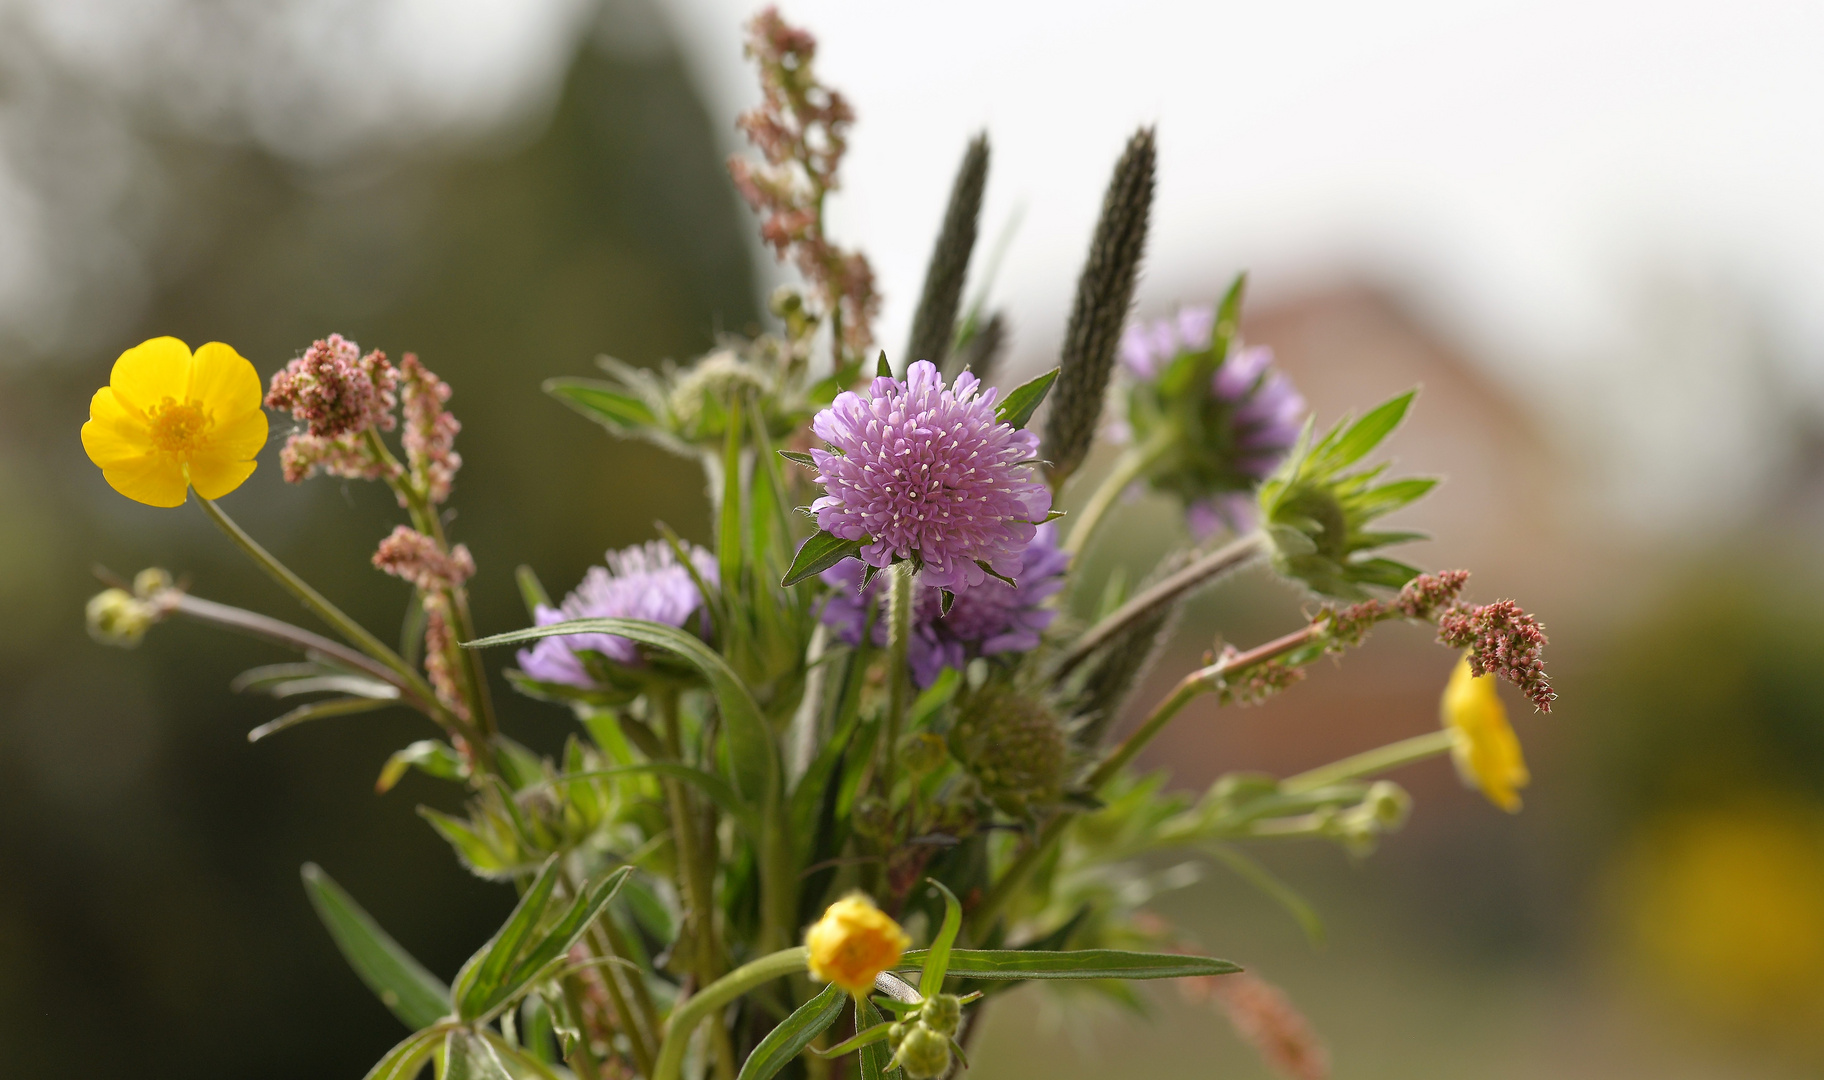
(1371, 762)
(1129, 467)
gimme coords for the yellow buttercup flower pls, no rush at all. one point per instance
(168, 421)
(1483, 744)
(853, 942)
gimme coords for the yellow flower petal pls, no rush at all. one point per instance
(238, 438)
(154, 479)
(224, 382)
(152, 371)
(215, 475)
(1485, 748)
(113, 435)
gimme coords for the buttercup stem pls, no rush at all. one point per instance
(705, 1002)
(899, 642)
(1370, 762)
(1128, 468)
(356, 634)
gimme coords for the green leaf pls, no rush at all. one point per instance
(874, 1057)
(793, 1034)
(866, 1037)
(708, 783)
(270, 675)
(728, 518)
(405, 1061)
(799, 457)
(556, 942)
(1263, 879)
(613, 408)
(882, 369)
(1387, 573)
(1366, 434)
(319, 710)
(466, 1056)
(937, 958)
(486, 972)
(413, 994)
(756, 763)
(935, 697)
(1391, 496)
(513, 1055)
(1228, 316)
(1017, 407)
(482, 858)
(997, 964)
(822, 551)
(431, 756)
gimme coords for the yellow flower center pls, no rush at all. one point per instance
(178, 427)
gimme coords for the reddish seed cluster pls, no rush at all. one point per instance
(440, 652)
(415, 557)
(333, 390)
(1268, 1021)
(1503, 640)
(801, 129)
(430, 430)
(1421, 598)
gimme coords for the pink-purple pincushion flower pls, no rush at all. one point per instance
(925, 472)
(641, 582)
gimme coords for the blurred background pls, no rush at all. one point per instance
(1591, 231)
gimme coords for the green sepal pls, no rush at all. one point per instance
(817, 554)
(882, 369)
(1017, 407)
(798, 456)
(418, 998)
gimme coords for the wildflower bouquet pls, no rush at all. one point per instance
(871, 707)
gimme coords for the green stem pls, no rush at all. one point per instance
(1371, 762)
(1128, 468)
(696, 875)
(582, 1059)
(356, 634)
(899, 642)
(705, 1002)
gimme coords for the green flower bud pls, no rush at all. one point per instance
(896, 1033)
(115, 617)
(872, 818)
(942, 1013)
(922, 753)
(703, 394)
(1014, 745)
(923, 1054)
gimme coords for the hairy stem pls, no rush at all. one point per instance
(1230, 556)
(713, 997)
(899, 642)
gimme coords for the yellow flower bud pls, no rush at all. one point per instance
(853, 942)
(1484, 747)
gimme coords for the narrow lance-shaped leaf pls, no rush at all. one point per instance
(318, 710)
(1077, 964)
(1366, 434)
(708, 783)
(555, 943)
(937, 959)
(793, 1034)
(403, 985)
(755, 760)
(615, 409)
(1017, 408)
(405, 1061)
(487, 970)
(822, 551)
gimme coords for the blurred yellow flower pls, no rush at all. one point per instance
(168, 421)
(853, 942)
(1483, 743)
(1724, 911)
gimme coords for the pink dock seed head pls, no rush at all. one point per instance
(333, 390)
(415, 557)
(925, 472)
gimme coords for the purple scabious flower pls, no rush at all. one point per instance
(925, 472)
(986, 619)
(641, 582)
(1235, 434)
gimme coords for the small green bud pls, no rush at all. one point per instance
(115, 617)
(702, 394)
(942, 1013)
(150, 582)
(897, 1034)
(923, 1053)
(1389, 804)
(872, 818)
